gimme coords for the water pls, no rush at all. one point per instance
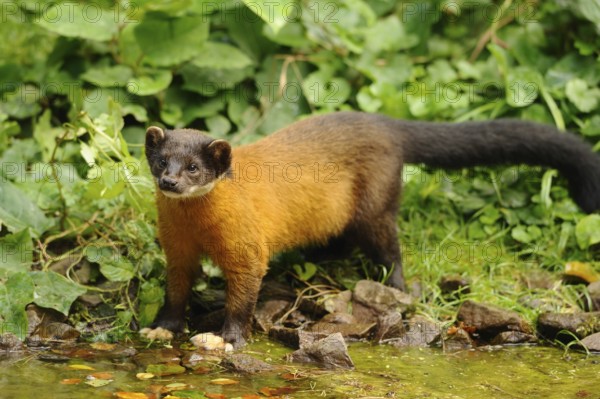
(381, 371)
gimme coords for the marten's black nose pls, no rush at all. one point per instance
(167, 183)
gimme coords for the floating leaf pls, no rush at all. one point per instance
(80, 367)
(102, 376)
(144, 376)
(132, 395)
(70, 381)
(165, 369)
(224, 381)
(276, 391)
(98, 383)
(103, 346)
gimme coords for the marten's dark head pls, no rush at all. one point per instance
(185, 162)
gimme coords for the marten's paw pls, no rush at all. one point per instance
(209, 341)
(156, 333)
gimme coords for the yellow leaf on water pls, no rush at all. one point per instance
(80, 367)
(103, 346)
(70, 381)
(224, 381)
(144, 376)
(131, 395)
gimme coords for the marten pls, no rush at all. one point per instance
(326, 178)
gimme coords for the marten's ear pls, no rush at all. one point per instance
(154, 136)
(218, 154)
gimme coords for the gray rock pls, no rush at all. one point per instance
(354, 331)
(330, 352)
(381, 298)
(389, 326)
(9, 342)
(594, 291)
(592, 342)
(514, 337)
(419, 331)
(243, 363)
(491, 320)
(338, 303)
(460, 340)
(580, 324)
(268, 312)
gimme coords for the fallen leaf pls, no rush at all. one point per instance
(102, 376)
(224, 381)
(215, 396)
(103, 346)
(190, 395)
(291, 376)
(70, 381)
(131, 395)
(144, 376)
(201, 370)
(251, 396)
(98, 383)
(165, 369)
(176, 386)
(276, 391)
(79, 367)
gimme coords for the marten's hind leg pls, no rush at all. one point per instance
(378, 239)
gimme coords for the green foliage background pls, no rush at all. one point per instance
(80, 81)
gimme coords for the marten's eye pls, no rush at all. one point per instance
(162, 163)
(193, 168)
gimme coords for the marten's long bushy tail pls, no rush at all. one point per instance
(456, 145)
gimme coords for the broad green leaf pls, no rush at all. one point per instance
(54, 291)
(522, 86)
(323, 89)
(168, 41)
(389, 34)
(221, 56)
(587, 231)
(86, 21)
(584, 97)
(16, 253)
(18, 212)
(16, 293)
(274, 13)
(108, 76)
(218, 125)
(150, 82)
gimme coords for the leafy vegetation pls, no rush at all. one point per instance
(80, 81)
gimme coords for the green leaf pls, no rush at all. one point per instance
(274, 13)
(16, 253)
(15, 294)
(587, 231)
(389, 34)
(73, 19)
(522, 86)
(221, 56)
(584, 97)
(218, 125)
(306, 272)
(113, 265)
(168, 41)
(54, 291)
(150, 82)
(18, 212)
(108, 76)
(324, 90)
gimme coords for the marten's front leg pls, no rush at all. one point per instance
(181, 272)
(243, 285)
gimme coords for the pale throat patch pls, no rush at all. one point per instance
(194, 191)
